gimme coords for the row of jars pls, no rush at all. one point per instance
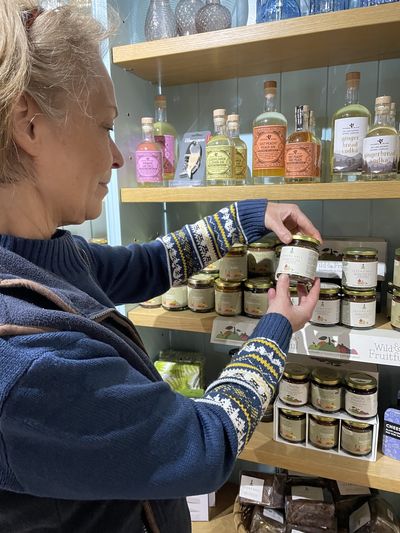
(356, 438)
(326, 390)
(393, 294)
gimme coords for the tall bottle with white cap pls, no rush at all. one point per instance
(148, 157)
(240, 158)
(380, 149)
(220, 152)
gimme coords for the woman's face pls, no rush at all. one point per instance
(74, 166)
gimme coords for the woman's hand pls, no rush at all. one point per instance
(279, 302)
(286, 219)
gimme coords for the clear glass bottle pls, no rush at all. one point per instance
(240, 158)
(185, 14)
(220, 152)
(270, 10)
(317, 141)
(269, 139)
(392, 116)
(380, 149)
(165, 135)
(213, 16)
(160, 21)
(349, 127)
(148, 158)
(301, 152)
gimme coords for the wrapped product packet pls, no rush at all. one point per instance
(374, 516)
(263, 489)
(266, 520)
(348, 498)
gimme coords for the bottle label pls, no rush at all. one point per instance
(255, 304)
(326, 312)
(219, 162)
(329, 400)
(293, 393)
(323, 436)
(269, 147)
(240, 163)
(361, 405)
(348, 143)
(295, 260)
(167, 143)
(148, 166)
(380, 154)
(360, 275)
(301, 160)
(358, 315)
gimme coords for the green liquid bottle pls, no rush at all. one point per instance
(165, 135)
(240, 158)
(220, 153)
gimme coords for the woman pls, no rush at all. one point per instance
(91, 439)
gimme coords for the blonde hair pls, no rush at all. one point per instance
(52, 60)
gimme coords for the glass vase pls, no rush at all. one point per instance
(185, 14)
(160, 21)
(213, 16)
(271, 10)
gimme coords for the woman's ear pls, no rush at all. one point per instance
(26, 130)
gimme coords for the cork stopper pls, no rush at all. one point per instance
(270, 87)
(353, 79)
(219, 113)
(233, 118)
(147, 120)
(160, 101)
(383, 100)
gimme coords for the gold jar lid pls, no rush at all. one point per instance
(98, 240)
(201, 280)
(296, 371)
(212, 268)
(366, 252)
(326, 376)
(351, 292)
(289, 412)
(259, 283)
(305, 238)
(267, 245)
(361, 381)
(293, 290)
(357, 425)
(329, 288)
(232, 285)
(326, 419)
(237, 249)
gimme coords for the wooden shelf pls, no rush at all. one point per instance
(307, 191)
(366, 34)
(180, 320)
(383, 474)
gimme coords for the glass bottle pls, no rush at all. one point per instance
(165, 135)
(301, 150)
(317, 141)
(349, 127)
(160, 21)
(269, 138)
(240, 157)
(325, 6)
(213, 16)
(148, 158)
(380, 150)
(392, 115)
(270, 10)
(185, 14)
(220, 152)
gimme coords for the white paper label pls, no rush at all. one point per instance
(233, 268)
(396, 273)
(329, 400)
(228, 303)
(326, 312)
(201, 299)
(295, 260)
(348, 143)
(293, 393)
(273, 515)
(358, 315)
(348, 489)
(360, 275)
(380, 154)
(255, 304)
(304, 492)
(361, 405)
(251, 488)
(359, 518)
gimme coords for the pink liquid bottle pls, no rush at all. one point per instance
(149, 158)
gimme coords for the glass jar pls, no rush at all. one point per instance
(292, 425)
(327, 310)
(256, 297)
(213, 16)
(294, 385)
(175, 299)
(233, 266)
(299, 259)
(323, 432)
(201, 293)
(228, 297)
(326, 390)
(395, 316)
(396, 268)
(152, 303)
(389, 298)
(361, 395)
(360, 268)
(294, 295)
(356, 438)
(359, 308)
(261, 259)
(212, 269)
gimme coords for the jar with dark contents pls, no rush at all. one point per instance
(395, 310)
(323, 432)
(360, 268)
(261, 259)
(294, 295)
(327, 310)
(228, 297)
(201, 293)
(299, 259)
(292, 425)
(396, 268)
(361, 395)
(326, 390)
(256, 296)
(294, 385)
(358, 308)
(233, 266)
(356, 438)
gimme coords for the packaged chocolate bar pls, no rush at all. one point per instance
(348, 498)
(374, 516)
(309, 502)
(266, 520)
(263, 489)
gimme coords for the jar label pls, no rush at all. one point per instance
(261, 263)
(323, 435)
(380, 154)
(228, 304)
(293, 393)
(255, 304)
(201, 299)
(326, 312)
(295, 300)
(361, 405)
(301, 160)
(240, 164)
(360, 275)
(395, 316)
(219, 162)
(233, 268)
(396, 273)
(348, 143)
(356, 442)
(176, 297)
(329, 400)
(295, 260)
(358, 314)
(148, 166)
(269, 147)
(167, 143)
(292, 430)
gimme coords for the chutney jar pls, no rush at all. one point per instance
(360, 268)
(256, 297)
(299, 259)
(294, 385)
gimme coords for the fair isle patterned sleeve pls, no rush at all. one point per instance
(247, 384)
(196, 245)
